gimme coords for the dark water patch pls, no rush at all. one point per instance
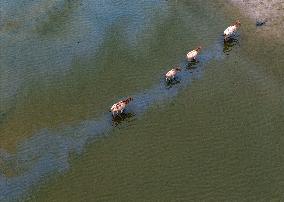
(229, 44)
(192, 64)
(260, 22)
(126, 116)
(57, 19)
(9, 26)
(172, 82)
(3, 117)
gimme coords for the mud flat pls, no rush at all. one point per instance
(268, 15)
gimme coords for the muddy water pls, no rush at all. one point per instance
(215, 134)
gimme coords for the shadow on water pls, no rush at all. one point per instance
(229, 44)
(170, 83)
(123, 117)
(192, 64)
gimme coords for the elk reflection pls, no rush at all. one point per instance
(170, 83)
(120, 118)
(192, 64)
(229, 44)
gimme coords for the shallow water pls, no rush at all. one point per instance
(216, 134)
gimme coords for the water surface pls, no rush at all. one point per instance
(214, 135)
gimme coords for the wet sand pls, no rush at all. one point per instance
(271, 11)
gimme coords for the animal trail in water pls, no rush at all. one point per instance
(48, 151)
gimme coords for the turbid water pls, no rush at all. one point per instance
(216, 134)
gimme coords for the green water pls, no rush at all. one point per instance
(215, 136)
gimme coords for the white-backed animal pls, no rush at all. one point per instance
(192, 55)
(172, 73)
(231, 30)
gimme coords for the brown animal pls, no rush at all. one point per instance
(118, 107)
